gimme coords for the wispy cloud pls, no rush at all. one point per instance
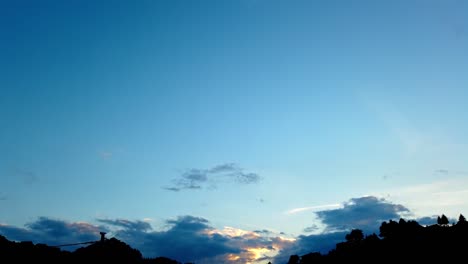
(27, 176)
(428, 198)
(441, 171)
(311, 228)
(201, 178)
(312, 208)
(127, 224)
(105, 154)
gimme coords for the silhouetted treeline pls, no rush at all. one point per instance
(106, 251)
(402, 241)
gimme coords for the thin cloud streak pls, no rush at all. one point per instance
(313, 208)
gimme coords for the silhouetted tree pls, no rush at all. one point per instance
(293, 259)
(461, 219)
(355, 235)
(442, 220)
(388, 230)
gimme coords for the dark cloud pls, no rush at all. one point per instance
(53, 232)
(201, 178)
(311, 229)
(127, 224)
(427, 220)
(322, 243)
(3, 197)
(441, 171)
(432, 220)
(192, 239)
(19, 234)
(224, 168)
(186, 238)
(172, 189)
(192, 179)
(264, 231)
(366, 213)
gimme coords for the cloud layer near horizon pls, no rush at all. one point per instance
(187, 238)
(193, 239)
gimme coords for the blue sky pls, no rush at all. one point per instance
(246, 114)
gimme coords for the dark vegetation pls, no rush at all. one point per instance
(402, 241)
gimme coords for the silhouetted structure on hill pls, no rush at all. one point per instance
(103, 251)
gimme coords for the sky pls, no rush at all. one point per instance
(253, 129)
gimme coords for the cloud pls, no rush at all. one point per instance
(312, 208)
(428, 198)
(311, 229)
(53, 232)
(3, 197)
(186, 238)
(131, 225)
(427, 220)
(28, 176)
(441, 171)
(172, 189)
(200, 178)
(364, 213)
(192, 239)
(105, 154)
(322, 243)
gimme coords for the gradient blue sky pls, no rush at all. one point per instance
(252, 114)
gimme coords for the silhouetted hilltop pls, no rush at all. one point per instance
(398, 242)
(112, 250)
(26, 252)
(104, 251)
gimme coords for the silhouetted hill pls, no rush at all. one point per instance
(111, 250)
(105, 251)
(398, 242)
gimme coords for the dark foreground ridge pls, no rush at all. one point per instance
(402, 241)
(399, 242)
(104, 251)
